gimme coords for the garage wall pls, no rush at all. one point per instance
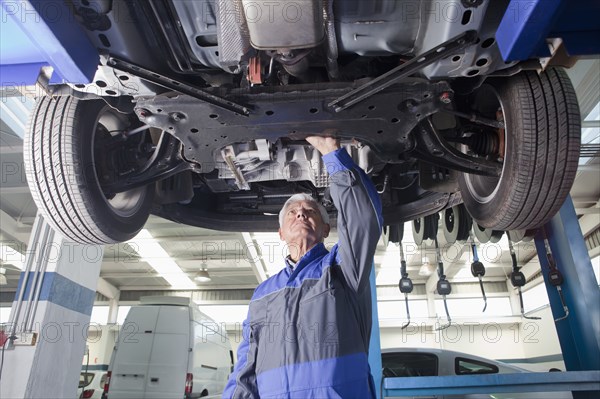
(487, 339)
(532, 344)
(542, 344)
(100, 342)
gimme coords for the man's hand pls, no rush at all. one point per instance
(324, 145)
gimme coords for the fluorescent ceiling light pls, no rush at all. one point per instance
(154, 254)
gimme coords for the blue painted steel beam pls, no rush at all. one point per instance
(579, 334)
(527, 24)
(46, 33)
(375, 343)
(493, 383)
(524, 28)
(579, 27)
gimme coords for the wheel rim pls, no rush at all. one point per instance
(127, 203)
(484, 189)
(449, 219)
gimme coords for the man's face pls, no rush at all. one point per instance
(302, 222)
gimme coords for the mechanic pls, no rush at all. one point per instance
(308, 327)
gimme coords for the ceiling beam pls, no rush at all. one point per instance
(14, 190)
(588, 168)
(107, 289)
(198, 238)
(589, 222)
(587, 211)
(121, 256)
(256, 261)
(207, 287)
(585, 200)
(11, 149)
(16, 122)
(592, 124)
(14, 229)
(213, 272)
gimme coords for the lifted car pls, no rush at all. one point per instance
(199, 109)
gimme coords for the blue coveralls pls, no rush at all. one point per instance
(307, 331)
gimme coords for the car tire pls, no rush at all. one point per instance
(62, 172)
(541, 150)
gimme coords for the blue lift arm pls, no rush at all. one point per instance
(43, 33)
(493, 383)
(527, 24)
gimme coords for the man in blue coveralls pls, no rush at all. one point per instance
(308, 327)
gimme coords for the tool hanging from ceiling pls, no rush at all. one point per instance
(517, 278)
(555, 278)
(477, 269)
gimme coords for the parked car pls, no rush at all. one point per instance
(429, 362)
(198, 113)
(91, 384)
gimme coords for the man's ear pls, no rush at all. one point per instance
(280, 234)
(326, 229)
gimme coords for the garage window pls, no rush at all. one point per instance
(464, 366)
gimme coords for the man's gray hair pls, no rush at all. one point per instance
(303, 197)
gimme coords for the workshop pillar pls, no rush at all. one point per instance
(375, 339)
(113, 310)
(579, 331)
(50, 316)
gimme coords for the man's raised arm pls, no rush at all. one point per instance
(359, 220)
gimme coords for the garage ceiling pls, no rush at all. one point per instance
(237, 262)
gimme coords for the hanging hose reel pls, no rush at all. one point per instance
(425, 228)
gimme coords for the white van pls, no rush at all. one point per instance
(166, 349)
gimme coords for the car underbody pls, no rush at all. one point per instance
(215, 98)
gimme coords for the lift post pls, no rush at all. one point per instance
(50, 316)
(375, 340)
(579, 334)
